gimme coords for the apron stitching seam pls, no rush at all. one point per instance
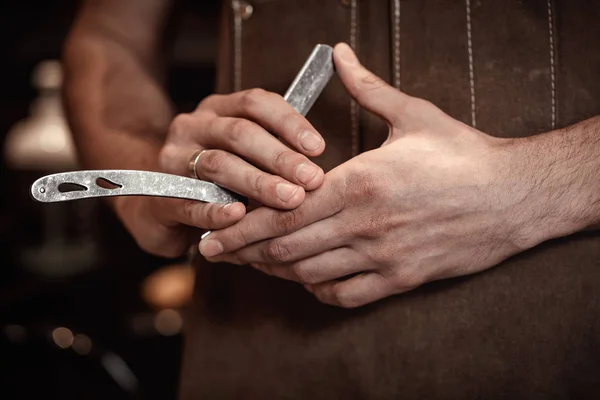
(396, 5)
(471, 68)
(353, 105)
(552, 66)
(237, 38)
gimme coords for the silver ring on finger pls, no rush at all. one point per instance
(193, 164)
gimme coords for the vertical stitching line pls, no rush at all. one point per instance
(237, 39)
(471, 69)
(353, 105)
(396, 44)
(552, 67)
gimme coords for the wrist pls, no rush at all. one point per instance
(555, 194)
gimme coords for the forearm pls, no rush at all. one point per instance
(116, 107)
(560, 185)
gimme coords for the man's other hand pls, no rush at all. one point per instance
(437, 200)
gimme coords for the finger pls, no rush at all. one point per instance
(354, 292)
(324, 267)
(370, 91)
(231, 172)
(273, 113)
(197, 214)
(309, 241)
(251, 142)
(265, 223)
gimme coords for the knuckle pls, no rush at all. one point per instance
(288, 220)
(257, 182)
(277, 251)
(212, 161)
(180, 126)
(239, 129)
(252, 97)
(376, 226)
(284, 158)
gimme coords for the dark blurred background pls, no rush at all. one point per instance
(83, 312)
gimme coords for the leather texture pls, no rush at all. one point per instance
(528, 328)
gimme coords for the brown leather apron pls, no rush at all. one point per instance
(528, 328)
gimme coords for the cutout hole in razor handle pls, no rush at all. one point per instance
(107, 184)
(67, 187)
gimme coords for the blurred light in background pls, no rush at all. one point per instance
(62, 337)
(120, 372)
(43, 141)
(168, 322)
(169, 287)
(82, 344)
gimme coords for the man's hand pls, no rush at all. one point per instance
(239, 152)
(437, 200)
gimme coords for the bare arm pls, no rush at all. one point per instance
(114, 98)
(560, 189)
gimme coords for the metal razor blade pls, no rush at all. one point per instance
(301, 95)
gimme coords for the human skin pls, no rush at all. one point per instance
(438, 199)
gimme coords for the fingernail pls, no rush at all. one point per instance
(309, 140)
(227, 209)
(285, 191)
(309, 288)
(347, 55)
(210, 247)
(305, 172)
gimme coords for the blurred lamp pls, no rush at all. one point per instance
(42, 141)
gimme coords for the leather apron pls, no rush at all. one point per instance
(527, 328)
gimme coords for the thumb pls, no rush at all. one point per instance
(370, 91)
